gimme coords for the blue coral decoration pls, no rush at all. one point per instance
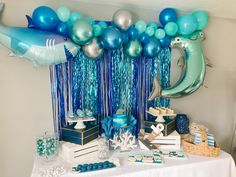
(107, 126)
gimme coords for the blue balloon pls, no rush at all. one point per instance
(111, 38)
(133, 33)
(45, 18)
(167, 15)
(152, 48)
(125, 38)
(165, 42)
(63, 29)
(187, 24)
(143, 38)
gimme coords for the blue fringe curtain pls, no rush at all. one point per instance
(103, 86)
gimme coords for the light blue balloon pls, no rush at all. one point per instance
(111, 38)
(171, 28)
(75, 16)
(140, 26)
(63, 14)
(160, 33)
(90, 20)
(153, 25)
(97, 30)
(187, 24)
(102, 24)
(150, 31)
(202, 19)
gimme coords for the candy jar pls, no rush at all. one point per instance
(47, 146)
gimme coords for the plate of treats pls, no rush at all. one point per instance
(160, 112)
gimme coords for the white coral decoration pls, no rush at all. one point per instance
(126, 141)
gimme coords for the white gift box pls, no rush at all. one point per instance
(79, 153)
(170, 142)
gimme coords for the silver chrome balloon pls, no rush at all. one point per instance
(194, 68)
(122, 19)
(93, 49)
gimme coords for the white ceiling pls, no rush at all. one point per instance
(216, 8)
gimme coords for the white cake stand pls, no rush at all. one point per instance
(80, 121)
(160, 116)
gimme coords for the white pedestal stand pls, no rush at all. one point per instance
(80, 121)
(160, 116)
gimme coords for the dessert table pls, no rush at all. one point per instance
(193, 166)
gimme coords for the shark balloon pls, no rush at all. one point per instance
(193, 68)
(39, 47)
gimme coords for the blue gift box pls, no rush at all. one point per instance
(81, 137)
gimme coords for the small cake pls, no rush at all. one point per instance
(154, 111)
(119, 120)
(162, 111)
(147, 159)
(169, 111)
(131, 159)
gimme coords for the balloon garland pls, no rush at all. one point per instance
(137, 38)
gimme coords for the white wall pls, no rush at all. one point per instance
(25, 102)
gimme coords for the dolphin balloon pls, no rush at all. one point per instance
(39, 47)
(193, 67)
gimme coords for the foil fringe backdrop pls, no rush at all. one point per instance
(103, 86)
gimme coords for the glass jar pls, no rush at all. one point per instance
(103, 148)
(47, 146)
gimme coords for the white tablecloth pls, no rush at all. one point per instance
(193, 166)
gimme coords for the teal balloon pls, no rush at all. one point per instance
(171, 28)
(202, 19)
(150, 31)
(82, 32)
(160, 33)
(63, 14)
(187, 24)
(111, 38)
(140, 26)
(102, 24)
(97, 30)
(193, 68)
(152, 24)
(90, 20)
(75, 16)
(133, 48)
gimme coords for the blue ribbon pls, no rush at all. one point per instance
(114, 81)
